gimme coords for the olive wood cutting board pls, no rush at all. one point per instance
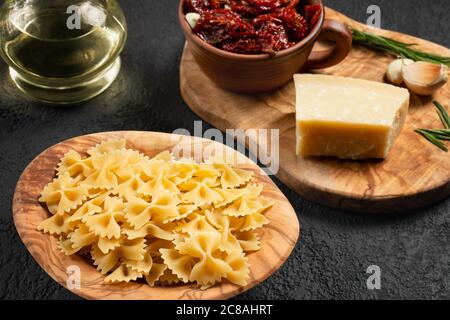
(278, 238)
(415, 174)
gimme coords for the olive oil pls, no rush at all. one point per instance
(56, 62)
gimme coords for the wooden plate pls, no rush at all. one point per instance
(415, 175)
(277, 239)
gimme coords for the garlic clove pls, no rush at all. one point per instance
(424, 78)
(394, 70)
(192, 19)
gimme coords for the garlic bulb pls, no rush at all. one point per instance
(424, 78)
(394, 70)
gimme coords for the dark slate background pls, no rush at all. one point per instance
(335, 247)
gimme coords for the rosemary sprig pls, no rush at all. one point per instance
(394, 47)
(443, 134)
(433, 139)
(443, 115)
(438, 136)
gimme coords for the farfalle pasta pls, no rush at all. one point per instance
(157, 220)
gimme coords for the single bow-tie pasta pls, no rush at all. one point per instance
(228, 196)
(228, 242)
(89, 208)
(233, 178)
(248, 240)
(73, 164)
(57, 225)
(107, 147)
(82, 237)
(196, 225)
(106, 245)
(64, 194)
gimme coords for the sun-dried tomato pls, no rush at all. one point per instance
(219, 25)
(261, 19)
(312, 14)
(252, 26)
(273, 36)
(243, 8)
(296, 25)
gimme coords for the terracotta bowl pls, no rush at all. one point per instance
(262, 72)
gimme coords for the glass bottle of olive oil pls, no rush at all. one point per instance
(62, 51)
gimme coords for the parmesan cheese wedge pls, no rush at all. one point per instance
(348, 118)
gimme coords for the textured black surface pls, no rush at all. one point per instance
(335, 248)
